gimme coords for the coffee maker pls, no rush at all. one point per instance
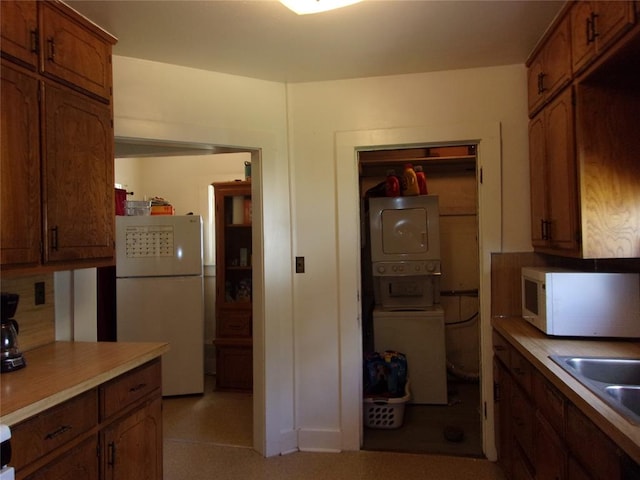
(10, 356)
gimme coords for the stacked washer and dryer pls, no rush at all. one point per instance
(408, 317)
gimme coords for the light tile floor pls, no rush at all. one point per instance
(210, 437)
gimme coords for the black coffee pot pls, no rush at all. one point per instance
(10, 356)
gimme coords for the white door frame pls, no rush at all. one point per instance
(489, 174)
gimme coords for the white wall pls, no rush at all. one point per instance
(303, 397)
(184, 181)
(381, 111)
(166, 102)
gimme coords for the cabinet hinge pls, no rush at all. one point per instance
(481, 175)
(485, 410)
(496, 392)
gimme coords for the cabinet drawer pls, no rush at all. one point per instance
(129, 388)
(234, 324)
(501, 349)
(522, 371)
(43, 433)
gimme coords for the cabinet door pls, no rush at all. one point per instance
(18, 30)
(535, 94)
(81, 463)
(595, 451)
(557, 60)
(134, 445)
(537, 175)
(74, 54)
(549, 452)
(20, 227)
(234, 365)
(613, 19)
(522, 420)
(575, 471)
(78, 177)
(502, 411)
(561, 176)
(583, 46)
(596, 25)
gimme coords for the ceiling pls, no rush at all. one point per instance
(262, 39)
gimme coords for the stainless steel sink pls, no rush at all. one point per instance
(624, 371)
(629, 397)
(614, 380)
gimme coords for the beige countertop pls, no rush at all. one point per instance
(536, 347)
(61, 370)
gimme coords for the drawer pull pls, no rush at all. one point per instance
(140, 386)
(111, 460)
(56, 433)
(51, 52)
(34, 41)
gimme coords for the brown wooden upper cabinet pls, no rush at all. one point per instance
(554, 193)
(20, 164)
(19, 31)
(78, 177)
(550, 68)
(73, 54)
(584, 169)
(596, 25)
(57, 205)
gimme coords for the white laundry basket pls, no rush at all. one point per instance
(385, 412)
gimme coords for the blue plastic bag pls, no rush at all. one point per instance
(385, 374)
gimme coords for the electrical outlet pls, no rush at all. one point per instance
(299, 264)
(39, 293)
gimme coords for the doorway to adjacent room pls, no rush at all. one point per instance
(452, 425)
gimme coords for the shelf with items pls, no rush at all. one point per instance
(234, 350)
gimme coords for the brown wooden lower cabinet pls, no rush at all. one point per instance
(113, 431)
(234, 365)
(132, 446)
(549, 452)
(542, 435)
(77, 464)
(591, 447)
(575, 470)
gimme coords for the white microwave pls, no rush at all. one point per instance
(586, 304)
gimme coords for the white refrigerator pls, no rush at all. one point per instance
(159, 292)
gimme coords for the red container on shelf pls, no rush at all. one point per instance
(121, 200)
